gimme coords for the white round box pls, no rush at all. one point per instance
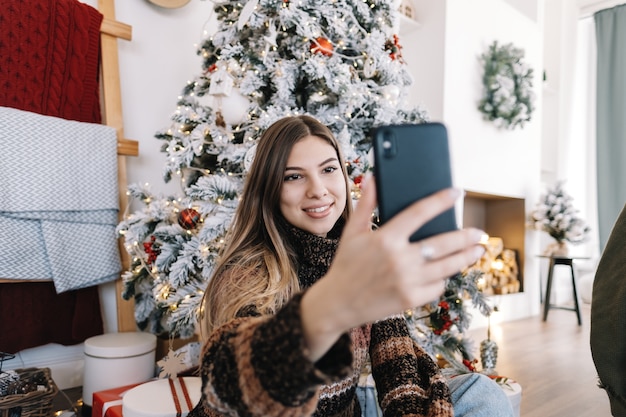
(513, 391)
(116, 359)
(156, 398)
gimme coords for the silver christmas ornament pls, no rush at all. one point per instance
(489, 356)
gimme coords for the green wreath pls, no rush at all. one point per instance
(507, 94)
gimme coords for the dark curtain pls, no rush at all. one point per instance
(611, 117)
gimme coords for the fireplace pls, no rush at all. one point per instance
(503, 218)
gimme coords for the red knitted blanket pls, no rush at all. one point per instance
(49, 55)
(49, 51)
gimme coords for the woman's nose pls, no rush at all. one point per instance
(316, 188)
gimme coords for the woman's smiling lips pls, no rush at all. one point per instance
(319, 211)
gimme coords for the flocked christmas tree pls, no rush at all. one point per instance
(337, 60)
(439, 327)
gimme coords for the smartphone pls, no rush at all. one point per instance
(412, 161)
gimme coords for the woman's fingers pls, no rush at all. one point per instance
(439, 246)
(417, 214)
(448, 253)
(394, 273)
(408, 220)
(361, 219)
(453, 263)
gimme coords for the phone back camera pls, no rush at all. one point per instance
(389, 145)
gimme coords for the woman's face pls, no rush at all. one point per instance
(313, 193)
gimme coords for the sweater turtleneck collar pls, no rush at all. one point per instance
(314, 253)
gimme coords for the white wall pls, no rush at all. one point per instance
(423, 51)
(489, 159)
(154, 68)
(532, 9)
(444, 57)
(559, 56)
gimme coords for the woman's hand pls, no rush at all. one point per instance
(378, 274)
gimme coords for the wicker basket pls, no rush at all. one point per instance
(32, 404)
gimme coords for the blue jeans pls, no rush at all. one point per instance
(473, 395)
(369, 401)
(477, 395)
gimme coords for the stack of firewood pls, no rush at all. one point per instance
(499, 267)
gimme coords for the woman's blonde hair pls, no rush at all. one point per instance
(257, 267)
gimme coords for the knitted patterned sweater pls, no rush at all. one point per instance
(49, 52)
(256, 366)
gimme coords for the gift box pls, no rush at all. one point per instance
(169, 397)
(513, 391)
(108, 403)
(116, 360)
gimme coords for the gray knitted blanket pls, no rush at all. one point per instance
(58, 200)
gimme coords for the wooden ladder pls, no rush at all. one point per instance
(111, 98)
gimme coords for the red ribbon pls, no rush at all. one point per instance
(183, 387)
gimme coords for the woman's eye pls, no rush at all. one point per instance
(292, 177)
(330, 169)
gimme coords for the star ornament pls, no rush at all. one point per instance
(172, 364)
(221, 82)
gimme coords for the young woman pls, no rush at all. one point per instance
(291, 311)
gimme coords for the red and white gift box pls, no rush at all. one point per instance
(169, 397)
(108, 403)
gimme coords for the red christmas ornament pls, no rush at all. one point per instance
(470, 364)
(151, 250)
(188, 218)
(394, 48)
(322, 46)
(440, 318)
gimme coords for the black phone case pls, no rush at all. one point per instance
(412, 161)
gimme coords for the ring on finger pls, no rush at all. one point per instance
(427, 252)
